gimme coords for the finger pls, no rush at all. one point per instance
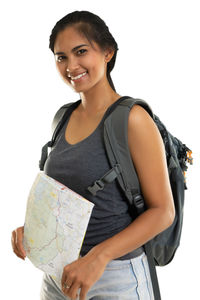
(18, 255)
(73, 293)
(83, 292)
(63, 279)
(19, 241)
(15, 250)
(66, 288)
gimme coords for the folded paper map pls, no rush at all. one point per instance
(55, 225)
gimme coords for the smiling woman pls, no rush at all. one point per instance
(112, 262)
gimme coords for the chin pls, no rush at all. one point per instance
(79, 89)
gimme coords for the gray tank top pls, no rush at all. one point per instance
(78, 166)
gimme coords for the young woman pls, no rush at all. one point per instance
(112, 262)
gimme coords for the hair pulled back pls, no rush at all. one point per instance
(93, 28)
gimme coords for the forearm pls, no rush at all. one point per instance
(141, 230)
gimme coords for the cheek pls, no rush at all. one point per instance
(96, 67)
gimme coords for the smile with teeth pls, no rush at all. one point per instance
(78, 76)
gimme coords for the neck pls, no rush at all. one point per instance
(98, 99)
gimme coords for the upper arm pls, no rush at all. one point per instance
(148, 155)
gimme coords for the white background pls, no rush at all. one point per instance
(158, 61)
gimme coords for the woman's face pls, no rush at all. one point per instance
(80, 65)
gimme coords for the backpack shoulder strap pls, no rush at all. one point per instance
(58, 121)
(60, 118)
(116, 143)
(59, 114)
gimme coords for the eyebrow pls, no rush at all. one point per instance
(73, 50)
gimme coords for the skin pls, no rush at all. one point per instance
(147, 152)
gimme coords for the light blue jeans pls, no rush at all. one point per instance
(121, 280)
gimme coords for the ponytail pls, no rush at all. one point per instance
(110, 81)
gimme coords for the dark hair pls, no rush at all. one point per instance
(93, 28)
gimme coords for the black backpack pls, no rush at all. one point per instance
(161, 249)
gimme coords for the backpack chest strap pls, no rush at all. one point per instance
(107, 178)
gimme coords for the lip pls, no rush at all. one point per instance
(75, 74)
(78, 79)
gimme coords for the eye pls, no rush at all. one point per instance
(60, 58)
(81, 51)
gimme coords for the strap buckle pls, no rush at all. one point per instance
(107, 178)
(138, 203)
(98, 185)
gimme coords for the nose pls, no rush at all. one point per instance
(72, 65)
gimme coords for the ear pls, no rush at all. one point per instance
(109, 54)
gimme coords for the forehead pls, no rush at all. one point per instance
(69, 38)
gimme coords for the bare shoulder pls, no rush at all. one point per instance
(139, 116)
(141, 127)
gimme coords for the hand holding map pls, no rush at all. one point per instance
(55, 225)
